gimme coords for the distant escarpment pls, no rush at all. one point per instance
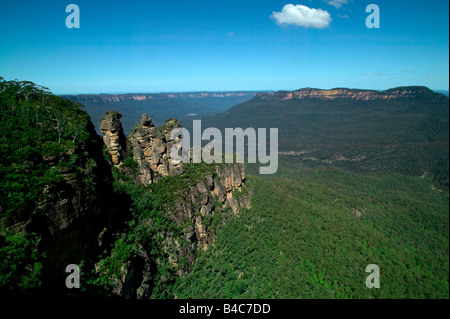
(406, 92)
(189, 203)
(161, 106)
(129, 97)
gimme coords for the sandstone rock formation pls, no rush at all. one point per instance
(198, 209)
(114, 137)
(151, 146)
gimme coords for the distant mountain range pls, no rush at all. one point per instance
(404, 129)
(95, 98)
(408, 92)
(160, 106)
(192, 105)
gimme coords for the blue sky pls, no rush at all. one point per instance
(176, 46)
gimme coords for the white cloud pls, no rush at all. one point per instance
(336, 3)
(303, 16)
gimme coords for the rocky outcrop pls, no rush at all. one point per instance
(150, 149)
(410, 92)
(114, 138)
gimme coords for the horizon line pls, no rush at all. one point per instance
(242, 91)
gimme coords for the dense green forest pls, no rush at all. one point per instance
(311, 234)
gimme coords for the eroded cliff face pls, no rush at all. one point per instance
(72, 213)
(198, 210)
(116, 98)
(354, 94)
(220, 194)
